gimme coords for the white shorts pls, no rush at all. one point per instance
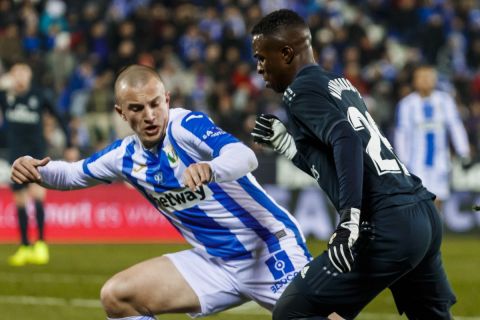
(437, 182)
(221, 284)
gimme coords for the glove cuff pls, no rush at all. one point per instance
(348, 214)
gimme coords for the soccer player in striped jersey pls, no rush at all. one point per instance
(245, 246)
(427, 121)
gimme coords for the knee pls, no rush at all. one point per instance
(280, 311)
(116, 297)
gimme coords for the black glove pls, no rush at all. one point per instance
(466, 162)
(270, 131)
(341, 242)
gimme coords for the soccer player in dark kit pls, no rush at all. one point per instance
(389, 232)
(22, 107)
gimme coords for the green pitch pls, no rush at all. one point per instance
(68, 287)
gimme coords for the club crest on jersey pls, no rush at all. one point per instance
(158, 177)
(33, 102)
(171, 155)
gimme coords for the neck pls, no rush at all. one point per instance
(424, 93)
(303, 58)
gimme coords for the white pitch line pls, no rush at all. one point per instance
(51, 278)
(50, 301)
(249, 308)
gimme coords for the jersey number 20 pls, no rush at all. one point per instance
(374, 146)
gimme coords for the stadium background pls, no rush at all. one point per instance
(202, 51)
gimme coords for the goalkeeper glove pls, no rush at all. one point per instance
(270, 131)
(466, 163)
(341, 242)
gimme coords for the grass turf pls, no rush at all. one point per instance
(68, 287)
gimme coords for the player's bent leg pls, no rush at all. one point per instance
(151, 287)
(433, 295)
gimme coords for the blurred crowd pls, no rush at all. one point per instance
(202, 51)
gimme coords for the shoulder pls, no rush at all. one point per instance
(186, 118)
(311, 78)
(311, 81)
(183, 123)
(409, 99)
(177, 114)
(442, 96)
(35, 91)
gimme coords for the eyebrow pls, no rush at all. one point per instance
(140, 105)
(133, 105)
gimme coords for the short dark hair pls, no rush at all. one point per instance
(276, 20)
(134, 75)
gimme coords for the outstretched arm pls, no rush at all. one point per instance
(58, 175)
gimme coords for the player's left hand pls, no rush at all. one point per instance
(341, 242)
(197, 174)
(270, 131)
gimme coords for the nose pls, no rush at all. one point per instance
(149, 114)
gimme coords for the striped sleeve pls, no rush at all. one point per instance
(456, 128)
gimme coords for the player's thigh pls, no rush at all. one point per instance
(36, 191)
(398, 243)
(20, 194)
(319, 290)
(155, 285)
(424, 292)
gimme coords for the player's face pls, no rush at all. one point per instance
(146, 110)
(425, 80)
(270, 62)
(22, 76)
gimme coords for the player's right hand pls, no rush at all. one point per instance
(270, 131)
(24, 169)
(341, 242)
(196, 175)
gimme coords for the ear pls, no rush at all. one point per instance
(167, 98)
(288, 54)
(120, 112)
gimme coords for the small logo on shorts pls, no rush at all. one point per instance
(280, 265)
(304, 271)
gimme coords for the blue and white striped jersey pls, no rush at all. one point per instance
(422, 129)
(230, 220)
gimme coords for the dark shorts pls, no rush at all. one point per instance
(37, 152)
(402, 253)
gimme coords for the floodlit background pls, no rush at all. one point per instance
(202, 51)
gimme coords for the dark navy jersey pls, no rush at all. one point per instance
(330, 123)
(23, 115)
